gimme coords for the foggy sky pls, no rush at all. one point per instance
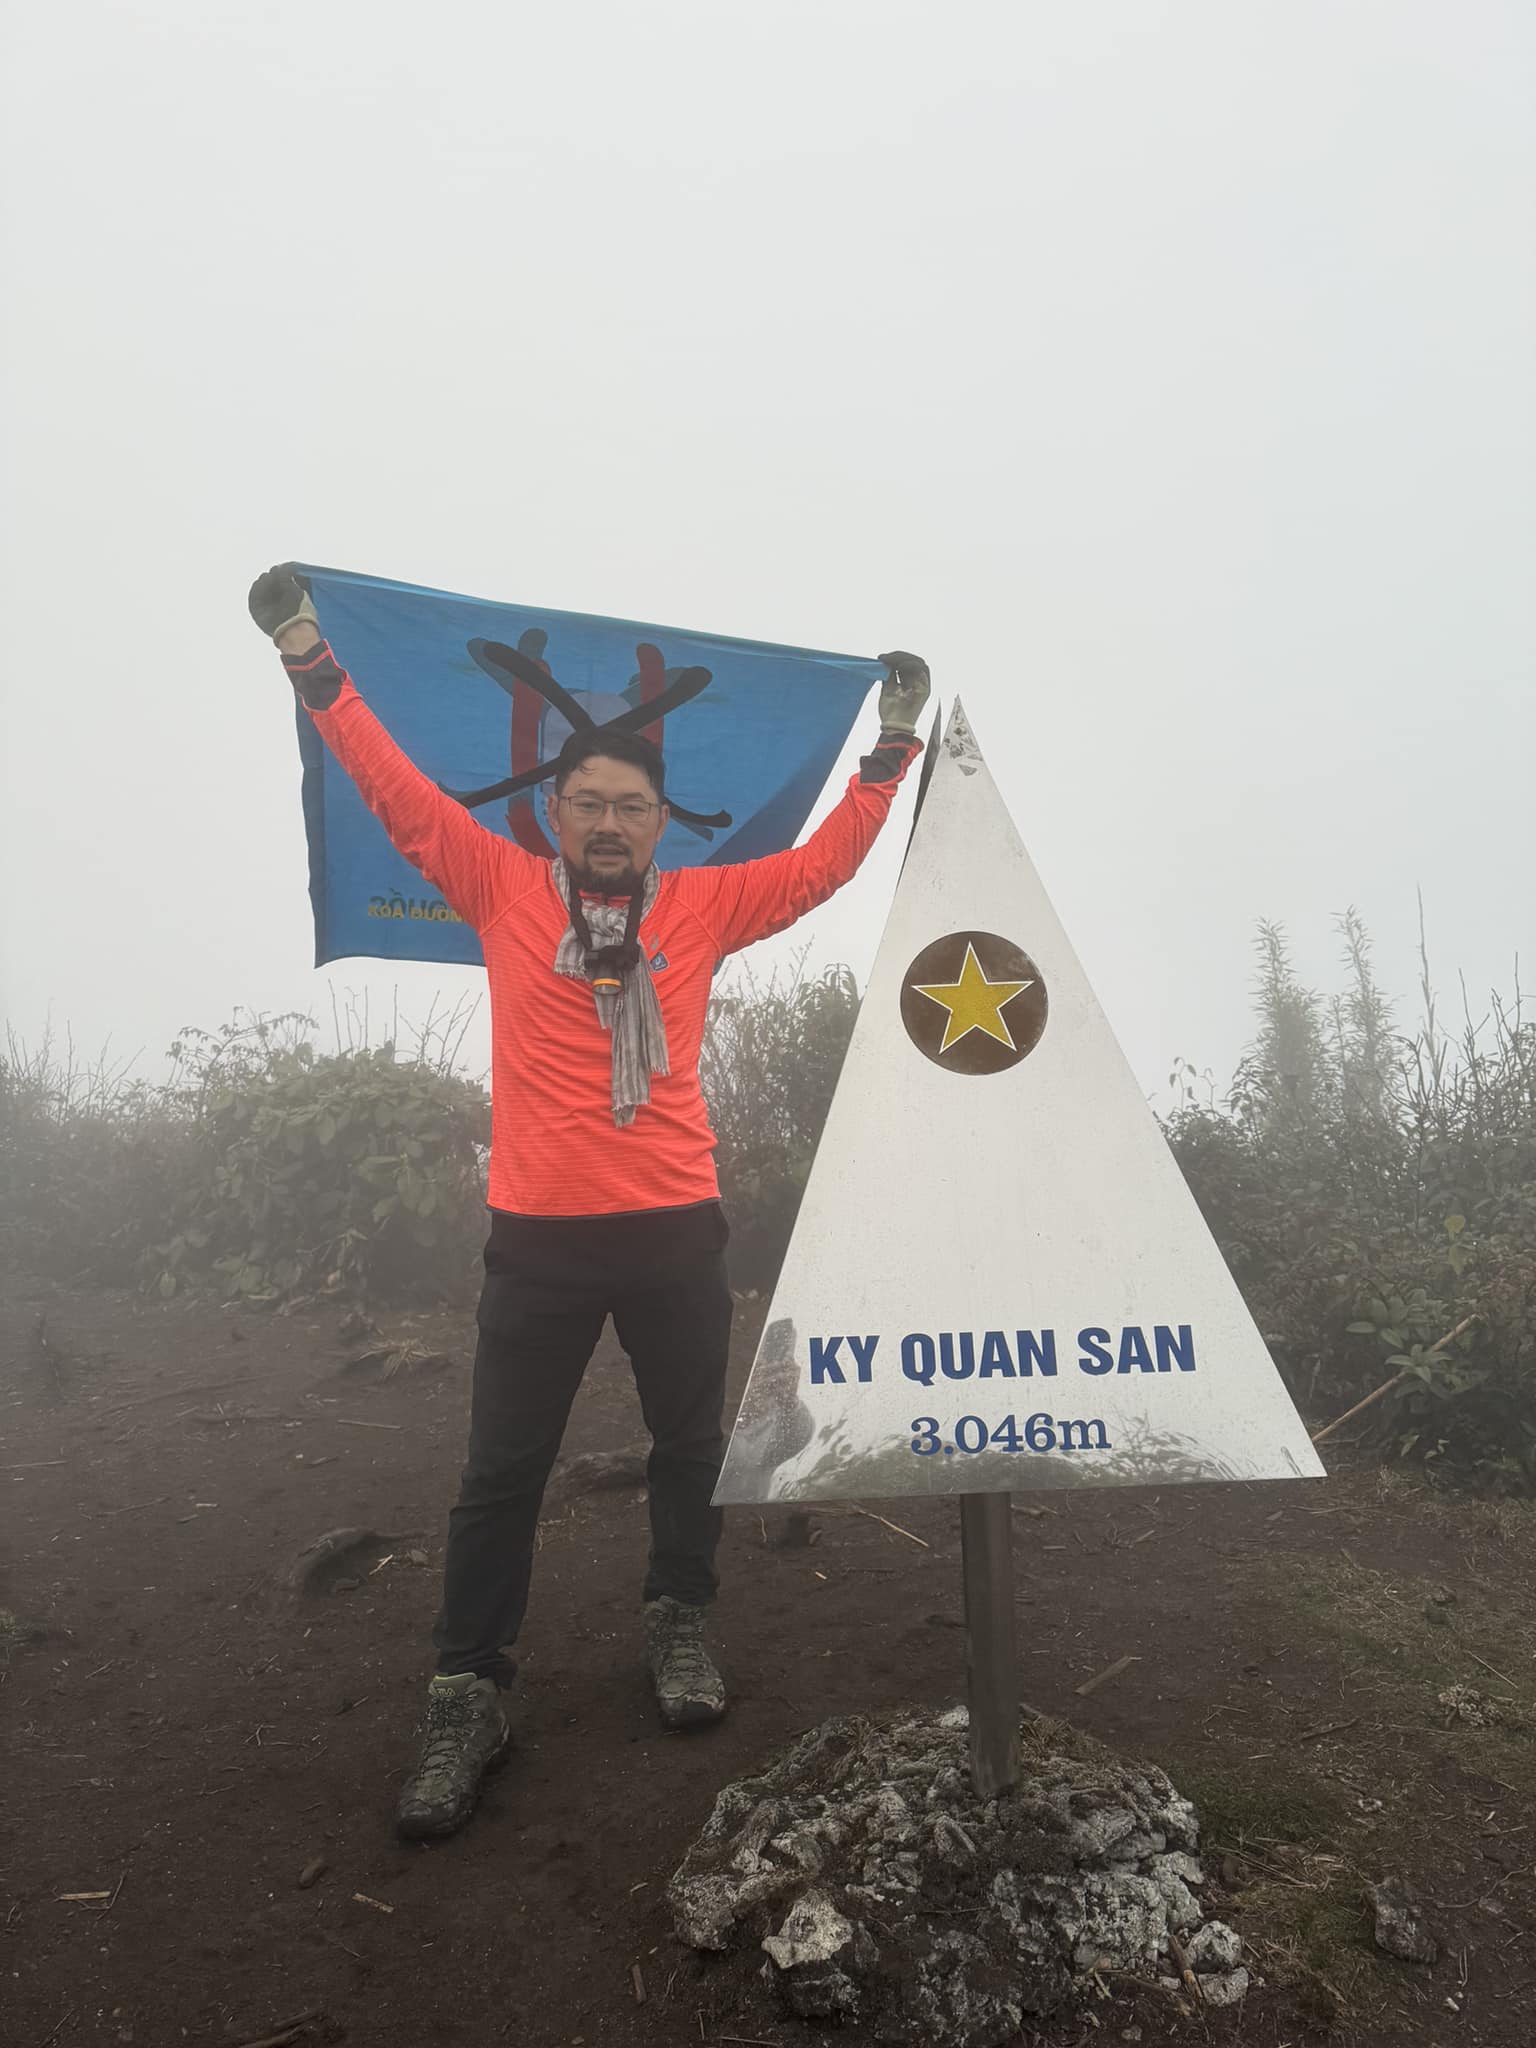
(1161, 372)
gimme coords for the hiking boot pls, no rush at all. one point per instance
(466, 1735)
(689, 1690)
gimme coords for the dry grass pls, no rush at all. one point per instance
(1406, 1783)
(1402, 1489)
(1280, 1835)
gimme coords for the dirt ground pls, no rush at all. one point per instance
(183, 1733)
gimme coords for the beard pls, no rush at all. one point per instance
(621, 878)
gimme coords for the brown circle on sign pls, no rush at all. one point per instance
(974, 1003)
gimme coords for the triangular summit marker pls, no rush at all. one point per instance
(998, 1279)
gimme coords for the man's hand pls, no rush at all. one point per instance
(904, 692)
(280, 604)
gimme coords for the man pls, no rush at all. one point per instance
(603, 1193)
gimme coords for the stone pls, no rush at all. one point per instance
(1467, 1707)
(1215, 1947)
(1400, 1925)
(881, 1890)
(322, 1563)
(806, 1957)
(1123, 1917)
(816, 1991)
(1226, 1987)
(1172, 1876)
(813, 1932)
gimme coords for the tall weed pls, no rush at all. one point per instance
(1372, 1190)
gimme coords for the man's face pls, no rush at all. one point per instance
(607, 820)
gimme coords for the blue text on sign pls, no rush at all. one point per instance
(993, 1354)
(826, 1366)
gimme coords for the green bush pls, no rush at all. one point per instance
(351, 1173)
(261, 1167)
(771, 1058)
(1373, 1193)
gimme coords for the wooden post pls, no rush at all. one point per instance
(991, 1657)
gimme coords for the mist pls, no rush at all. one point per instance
(1162, 374)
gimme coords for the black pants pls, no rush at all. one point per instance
(549, 1289)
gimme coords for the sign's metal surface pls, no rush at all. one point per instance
(998, 1279)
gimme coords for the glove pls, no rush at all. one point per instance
(904, 692)
(280, 599)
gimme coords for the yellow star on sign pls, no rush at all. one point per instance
(974, 1003)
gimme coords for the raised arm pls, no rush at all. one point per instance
(741, 904)
(477, 871)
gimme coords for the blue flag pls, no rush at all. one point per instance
(482, 696)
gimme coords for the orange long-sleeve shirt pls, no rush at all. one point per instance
(555, 1150)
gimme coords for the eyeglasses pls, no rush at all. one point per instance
(591, 810)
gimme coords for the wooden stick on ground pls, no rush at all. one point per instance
(1328, 1728)
(895, 1527)
(1191, 1981)
(1395, 1381)
(1504, 1675)
(1102, 1677)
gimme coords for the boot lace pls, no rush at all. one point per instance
(451, 1718)
(687, 1663)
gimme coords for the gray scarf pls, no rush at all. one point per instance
(632, 1013)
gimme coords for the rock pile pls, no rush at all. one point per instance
(883, 1891)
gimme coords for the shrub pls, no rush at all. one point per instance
(353, 1172)
(771, 1058)
(262, 1167)
(1373, 1193)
